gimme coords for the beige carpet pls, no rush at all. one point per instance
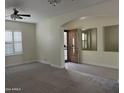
(104, 72)
(41, 78)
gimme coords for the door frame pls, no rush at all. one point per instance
(78, 43)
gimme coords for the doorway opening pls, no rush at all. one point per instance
(65, 47)
(71, 52)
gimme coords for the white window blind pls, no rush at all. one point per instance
(13, 43)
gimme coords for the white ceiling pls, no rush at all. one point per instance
(41, 9)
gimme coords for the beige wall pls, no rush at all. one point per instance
(50, 36)
(99, 57)
(28, 40)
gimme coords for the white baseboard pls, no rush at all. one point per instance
(21, 63)
(44, 62)
(57, 66)
(100, 65)
(53, 65)
(31, 61)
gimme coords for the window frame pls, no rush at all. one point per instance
(86, 31)
(105, 50)
(13, 44)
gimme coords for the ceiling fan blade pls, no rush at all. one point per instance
(18, 17)
(26, 15)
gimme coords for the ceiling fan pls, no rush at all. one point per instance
(15, 15)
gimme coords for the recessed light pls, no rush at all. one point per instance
(83, 29)
(82, 18)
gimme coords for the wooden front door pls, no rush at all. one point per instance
(73, 55)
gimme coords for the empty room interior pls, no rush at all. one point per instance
(61, 46)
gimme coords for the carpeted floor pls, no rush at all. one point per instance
(105, 72)
(42, 78)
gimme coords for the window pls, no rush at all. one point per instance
(13, 43)
(89, 39)
(111, 38)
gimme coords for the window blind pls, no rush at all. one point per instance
(13, 43)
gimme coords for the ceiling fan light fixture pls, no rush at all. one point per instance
(54, 2)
